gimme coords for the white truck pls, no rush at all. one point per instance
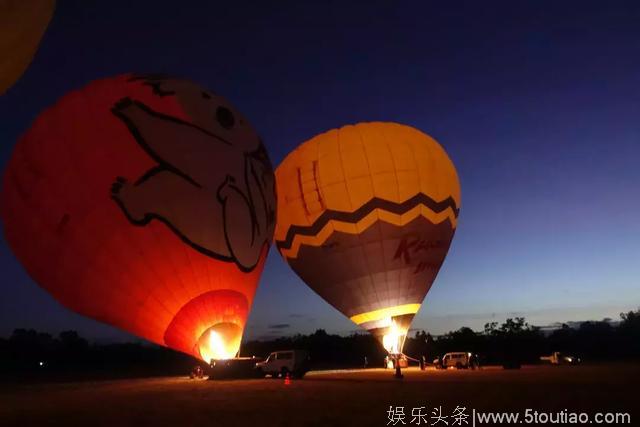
(459, 360)
(281, 363)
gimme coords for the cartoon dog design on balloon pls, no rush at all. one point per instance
(218, 195)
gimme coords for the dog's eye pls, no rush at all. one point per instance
(225, 117)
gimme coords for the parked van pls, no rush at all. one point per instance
(459, 360)
(281, 363)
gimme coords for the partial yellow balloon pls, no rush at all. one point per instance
(22, 24)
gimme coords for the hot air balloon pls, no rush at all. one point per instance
(366, 214)
(22, 24)
(145, 202)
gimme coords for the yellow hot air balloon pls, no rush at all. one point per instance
(366, 214)
(22, 24)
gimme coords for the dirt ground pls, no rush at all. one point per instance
(352, 398)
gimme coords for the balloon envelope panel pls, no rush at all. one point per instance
(366, 216)
(22, 24)
(148, 203)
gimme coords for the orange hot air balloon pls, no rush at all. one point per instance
(145, 202)
(366, 214)
(22, 24)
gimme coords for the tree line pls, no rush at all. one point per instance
(31, 354)
(514, 341)
(28, 354)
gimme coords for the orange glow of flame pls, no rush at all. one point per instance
(392, 341)
(220, 342)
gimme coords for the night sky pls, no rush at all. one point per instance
(536, 102)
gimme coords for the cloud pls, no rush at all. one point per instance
(306, 317)
(279, 326)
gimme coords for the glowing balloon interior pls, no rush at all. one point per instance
(393, 339)
(146, 202)
(220, 342)
(366, 214)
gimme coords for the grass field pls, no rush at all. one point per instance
(352, 398)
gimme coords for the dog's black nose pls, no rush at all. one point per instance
(225, 117)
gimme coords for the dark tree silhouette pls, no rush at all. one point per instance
(28, 354)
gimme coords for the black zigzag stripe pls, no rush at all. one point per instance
(364, 210)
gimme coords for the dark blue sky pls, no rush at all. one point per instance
(536, 102)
